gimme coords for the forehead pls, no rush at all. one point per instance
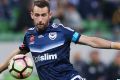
(40, 10)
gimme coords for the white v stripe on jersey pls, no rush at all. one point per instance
(78, 77)
(40, 50)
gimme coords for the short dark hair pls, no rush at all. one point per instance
(42, 4)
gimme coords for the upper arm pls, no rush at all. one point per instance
(70, 34)
(94, 42)
(24, 48)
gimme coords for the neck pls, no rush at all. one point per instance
(40, 30)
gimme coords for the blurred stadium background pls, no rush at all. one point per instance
(99, 18)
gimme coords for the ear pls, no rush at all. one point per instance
(31, 13)
(50, 15)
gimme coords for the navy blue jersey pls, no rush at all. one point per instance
(51, 50)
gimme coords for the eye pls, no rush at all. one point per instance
(37, 15)
(44, 14)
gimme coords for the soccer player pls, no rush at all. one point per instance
(49, 44)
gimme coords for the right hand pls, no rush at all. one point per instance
(2, 68)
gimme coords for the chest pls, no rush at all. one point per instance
(46, 41)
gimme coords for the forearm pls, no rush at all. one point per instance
(95, 42)
(5, 64)
(101, 43)
(105, 44)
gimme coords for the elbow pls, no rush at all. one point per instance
(95, 43)
(94, 46)
(99, 46)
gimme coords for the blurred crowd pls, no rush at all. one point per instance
(95, 69)
(91, 17)
(15, 15)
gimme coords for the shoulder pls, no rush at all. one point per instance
(61, 27)
(55, 25)
(30, 31)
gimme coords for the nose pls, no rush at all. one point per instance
(40, 19)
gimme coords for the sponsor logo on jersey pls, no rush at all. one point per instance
(22, 46)
(45, 57)
(32, 39)
(52, 35)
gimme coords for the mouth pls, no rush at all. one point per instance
(40, 25)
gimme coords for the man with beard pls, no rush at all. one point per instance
(49, 44)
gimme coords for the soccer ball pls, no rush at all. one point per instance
(20, 66)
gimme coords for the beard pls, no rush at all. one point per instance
(41, 27)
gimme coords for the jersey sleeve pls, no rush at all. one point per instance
(70, 34)
(24, 45)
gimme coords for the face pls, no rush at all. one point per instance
(41, 17)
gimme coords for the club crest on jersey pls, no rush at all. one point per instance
(52, 35)
(32, 39)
